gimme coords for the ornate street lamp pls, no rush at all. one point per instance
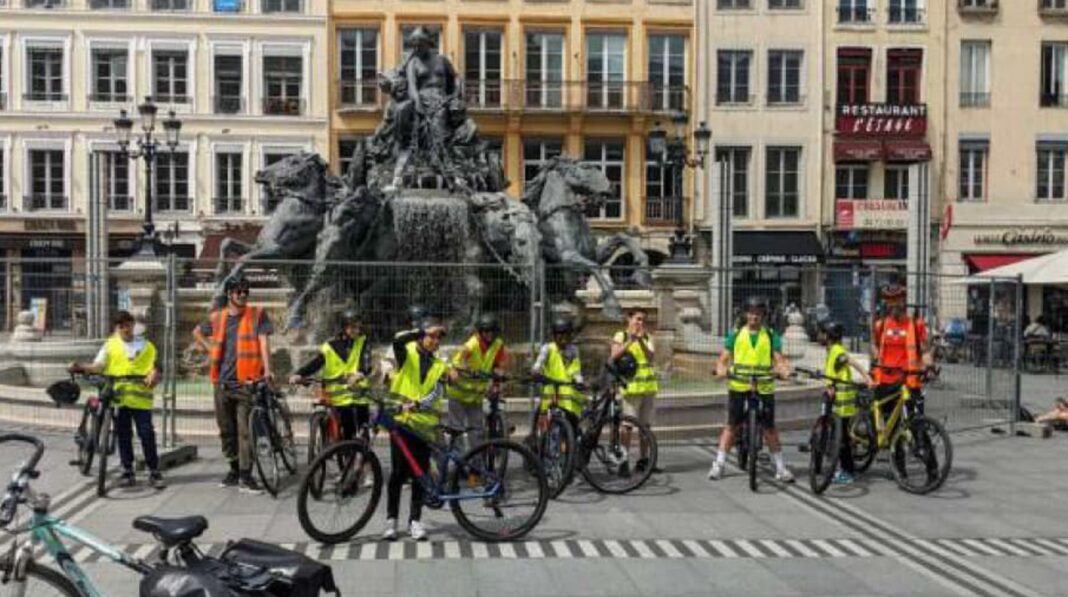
(673, 152)
(147, 148)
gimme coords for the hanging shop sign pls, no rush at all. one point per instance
(871, 214)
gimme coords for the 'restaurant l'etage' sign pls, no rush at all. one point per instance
(889, 120)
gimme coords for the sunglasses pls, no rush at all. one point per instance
(240, 291)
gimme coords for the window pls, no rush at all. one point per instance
(896, 182)
(109, 4)
(1055, 4)
(854, 67)
(732, 76)
(282, 6)
(43, 3)
(406, 30)
(973, 163)
(667, 72)
(608, 156)
(906, 12)
(47, 181)
(903, 76)
(974, 73)
(851, 181)
(115, 174)
(854, 11)
(735, 176)
(228, 196)
(345, 147)
(170, 5)
(781, 185)
(269, 159)
(605, 67)
(545, 70)
(978, 3)
(784, 76)
(1054, 74)
(785, 4)
(109, 76)
(482, 67)
(733, 4)
(536, 154)
(172, 182)
(170, 80)
(229, 84)
(1051, 172)
(46, 74)
(3, 180)
(282, 77)
(662, 194)
(358, 58)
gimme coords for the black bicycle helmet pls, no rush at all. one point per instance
(562, 325)
(487, 322)
(833, 329)
(236, 283)
(64, 392)
(429, 323)
(349, 317)
(625, 366)
(756, 302)
(416, 313)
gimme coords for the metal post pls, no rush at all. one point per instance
(873, 304)
(1017, 356)
(990, 346)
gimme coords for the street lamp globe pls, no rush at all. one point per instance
(123, 127)
(702, 140)
(148, 115)
(658, 141)
(172, 126)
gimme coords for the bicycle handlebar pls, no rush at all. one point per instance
(816, 374)
(9, 503)
(928, 372)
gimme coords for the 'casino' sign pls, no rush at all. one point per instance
(882, 120)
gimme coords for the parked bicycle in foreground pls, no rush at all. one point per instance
(497, 491)
(825, 440)
(244, 567)
(274, 449)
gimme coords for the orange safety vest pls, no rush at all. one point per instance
(912, 350)
(249, 360)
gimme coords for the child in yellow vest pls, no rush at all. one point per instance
(559, 368)
(840, 366)
(483, 353)
(639, 395)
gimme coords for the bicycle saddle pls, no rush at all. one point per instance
(172, 531)
(450, 430)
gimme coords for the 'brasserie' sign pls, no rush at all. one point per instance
(908, 120)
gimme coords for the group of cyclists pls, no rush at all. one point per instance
(237, 338)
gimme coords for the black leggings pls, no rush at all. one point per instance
(352, 418)
(845, 447)
(402, 472)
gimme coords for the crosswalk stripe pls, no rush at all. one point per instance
(749, 548)
(1030, 547)
(341, 552)
(423, 550)
(534, 550)
(507, 551)
(980, 546)
(615, 549)
(774, 547)
(1053, 546)
(696, 548)
(826, 547)
(643, 550)
(365, 552)
(956, 547)
(588, 549)
(479, 551)
(396, 551)
(1006, 546)
(802, 548)
(670, 550)
(723, 549)
(853, 547)
(561, 549)
(452, 550)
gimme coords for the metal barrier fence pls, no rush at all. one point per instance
(974, 327)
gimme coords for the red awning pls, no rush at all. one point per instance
(858, 151)
(907, 151)
(982, 262)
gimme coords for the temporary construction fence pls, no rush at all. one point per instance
(974, 327)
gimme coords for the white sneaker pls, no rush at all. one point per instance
(784, 475)
(417, 530)
(390, 534)
(716, 471)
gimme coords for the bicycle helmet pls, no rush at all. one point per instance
(349, 317)
(562, 325)
(756, 302)
(64, 392)
(430, 323)
(416, 313)
(892, 292)
(236, 283)
(833, 329)
(626, 366)
(487, 322)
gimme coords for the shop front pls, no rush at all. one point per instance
(782, 266)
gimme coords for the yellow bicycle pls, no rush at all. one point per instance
(921, 453)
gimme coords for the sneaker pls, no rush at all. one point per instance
(128, 479)
(156, 480)
(390, 533)
(624, 470)
(641, 465)
(715, 472)
(417, 530)
(231, 479)
(248, 485)
(784, 475)
(842, 478)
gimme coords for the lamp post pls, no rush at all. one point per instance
(673, 152)
(147, 149)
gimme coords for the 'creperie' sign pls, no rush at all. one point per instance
(888, 120)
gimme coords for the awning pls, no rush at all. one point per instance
(776, 248)
(907, 151)
(858, 151)
(981, 262)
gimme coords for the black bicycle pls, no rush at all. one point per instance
(94, 437)
(274, 449)
(324, 423)
(751, 431)
(552, 438)
(496, 423)
(826, 436)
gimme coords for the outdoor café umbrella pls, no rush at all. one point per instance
(1041, 270)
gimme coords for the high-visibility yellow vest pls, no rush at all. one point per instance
(749, 359)
(644, 382)
(467, 391)
(336, 372)
(570, 399)
(408, 387)
(130, 394)
(845, 395)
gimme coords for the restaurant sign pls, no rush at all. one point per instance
(871, 214)
(882, 120)
(1022, 236)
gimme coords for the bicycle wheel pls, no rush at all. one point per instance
(90, 437)
(607, 466)
(921, 455)
(40, 581)
(264, 454)
(741, 446)
(103, 449)
(509, 495)
(558, 455)
(752, 446)
(865, 442)
(316, 435)
(823, 453)
(340, 492)
(283, 438)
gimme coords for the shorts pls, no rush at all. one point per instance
(736, 409)
(642, 407)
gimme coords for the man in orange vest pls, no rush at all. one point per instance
(899, 344)
(237, 338)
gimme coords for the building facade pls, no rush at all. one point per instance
(240, 75)
(588, 78)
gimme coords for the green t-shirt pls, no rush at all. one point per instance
(776, 340)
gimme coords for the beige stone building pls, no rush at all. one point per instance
(245, 77)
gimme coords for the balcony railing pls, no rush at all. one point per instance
(285, 6)
(359, 94)
(172, 204)
(44, 96)
(44, 3)
(114, 98)
(227, 206)
(44, 202)
(974, 99)
(977, 7)
(485, 94)
(1053, 100)
(906, 15)
(662, 211)
(170, 5)
(283, 106)
(855, 15)
(622, 97)
(227, 104)
(171, 99)
(109, 4)
(1053, 8)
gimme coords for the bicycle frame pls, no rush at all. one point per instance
(885, 429)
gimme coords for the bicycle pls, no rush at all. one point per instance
(271, 434)
(905, 434)
(552, 438)
(20, 569)
(825, 439)
(479, 485)
(324, 423)
(496, 423)
(751, 430)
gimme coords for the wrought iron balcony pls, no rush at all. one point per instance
(114, 98)
(906, 15)
(856, 15)
(283, 106)
(165, 99)
(227, 104)
(977, 7)
(44, 96)
(662, 211)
